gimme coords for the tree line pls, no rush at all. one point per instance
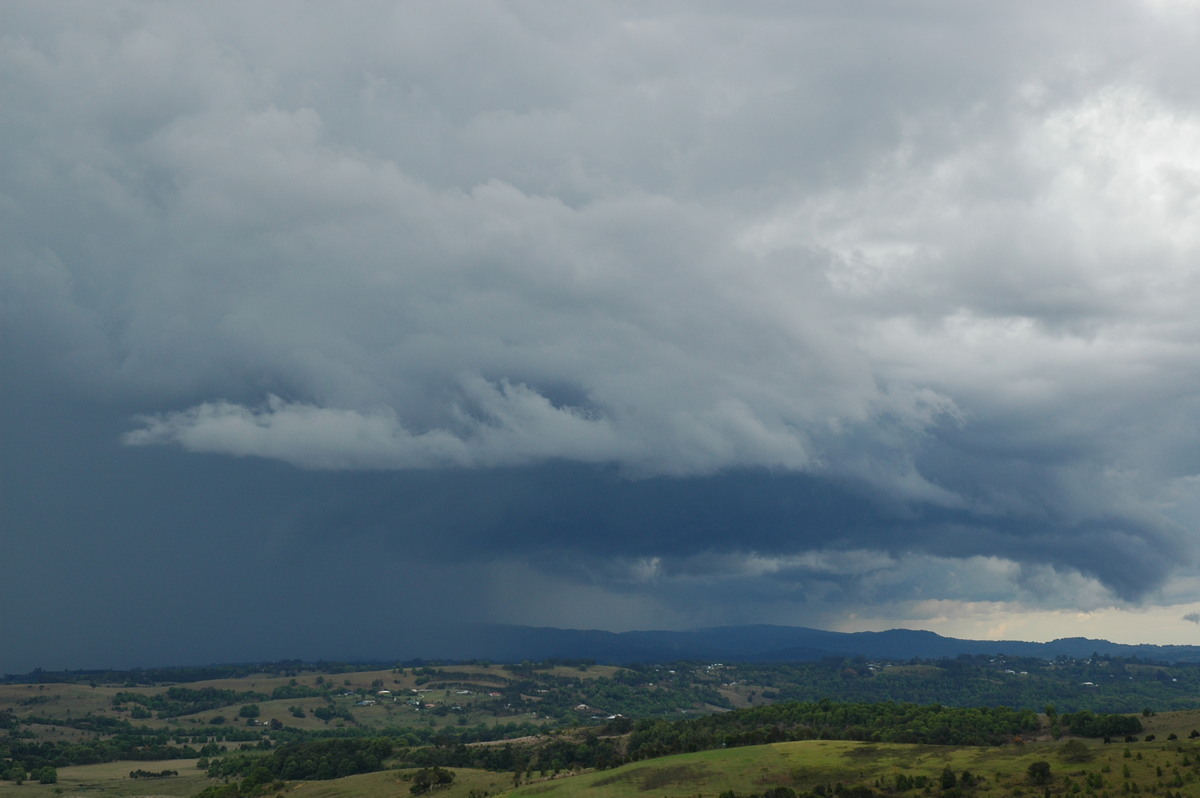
(874, 722)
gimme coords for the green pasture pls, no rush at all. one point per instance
(56, 700)
(799, 765)
(803, 766)
(1157, 768)
(112, 779)
(396, 784)
(62, 702)
(1181, 724)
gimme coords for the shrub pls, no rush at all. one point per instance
(1075, 751)
(1039, 773)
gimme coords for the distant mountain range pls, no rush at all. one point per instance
(757, 643)
(503, 643)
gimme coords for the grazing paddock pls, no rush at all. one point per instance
(111, 779)
(803, 766)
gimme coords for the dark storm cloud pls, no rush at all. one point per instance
(663, 302)
(701, 525)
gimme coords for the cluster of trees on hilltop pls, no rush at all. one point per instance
(887, 722)
(117, 740)
(34, 755)
(315, 759)
(176, 701)
(1089, 724)
(551, 755)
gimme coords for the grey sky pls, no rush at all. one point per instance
(849, 315)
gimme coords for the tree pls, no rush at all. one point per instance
(948, 778)
(1075, 751)
(428, 778)
(1039, 773)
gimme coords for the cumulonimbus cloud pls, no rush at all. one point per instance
(665, 247)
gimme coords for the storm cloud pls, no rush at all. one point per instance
(692, 312)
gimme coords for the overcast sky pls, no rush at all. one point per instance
(321, 320)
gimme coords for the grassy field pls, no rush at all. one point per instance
(1156, 768)
(1179, 723)
(395, 783)
(56, 700)
(65, 701)
(112, 779)
(422, 698)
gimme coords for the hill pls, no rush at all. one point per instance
(827, 768)
(753, 643)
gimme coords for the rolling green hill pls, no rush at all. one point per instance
(584, 729)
